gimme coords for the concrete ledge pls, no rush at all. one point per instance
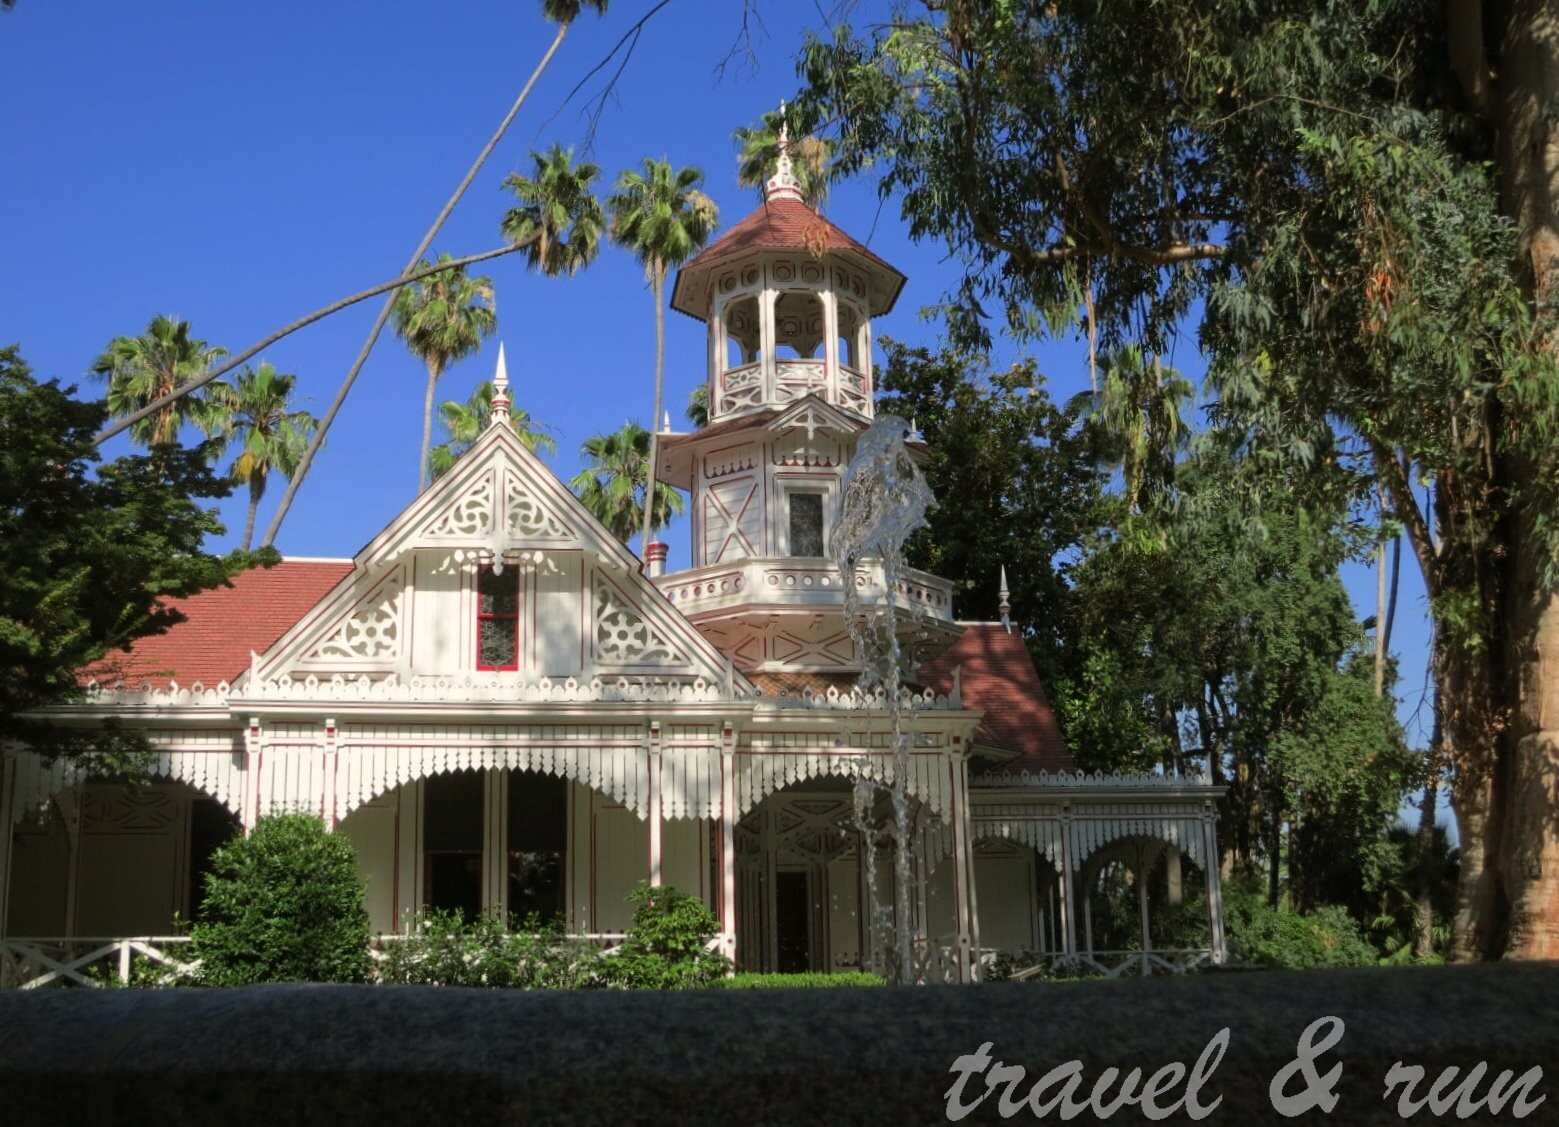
(333, 1055)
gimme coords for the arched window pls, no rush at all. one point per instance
(852, 340)
(798, 325)
(743, 342)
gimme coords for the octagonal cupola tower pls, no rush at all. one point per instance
(787, 299)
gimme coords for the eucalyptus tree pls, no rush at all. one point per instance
(257, 414)
(464, 423)
(663, 219)
(615, 480)
(144, 368)
(1351, 203)
(443, 319)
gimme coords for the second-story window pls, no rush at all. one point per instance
(498, 619)
(806, 524)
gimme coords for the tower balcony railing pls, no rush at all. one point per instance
(803, 583)
(760, 384)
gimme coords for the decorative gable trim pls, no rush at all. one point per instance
(499, 506)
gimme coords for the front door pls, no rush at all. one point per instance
(793, 921)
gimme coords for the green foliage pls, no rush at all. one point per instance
(1263, 936)
(464, 423)
(284, 904)
(144, 368)
(446, 949)
(1347, 207)
(257, 414)
(667, 944)
(1018, 488)
(87, 556)
(614, 479)
(557, 219)
(797, 981)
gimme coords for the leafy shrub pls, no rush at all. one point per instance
(444, 949)
(792, 981)
(667, 944)
(1266, 937)
(284, 904)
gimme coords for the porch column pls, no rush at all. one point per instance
(963, 864)
(830, 350)
(1211, 867)
(652, 764)
(8, 769)
(1067, 904)
(251, 789)
(328, 766)
(728, 842)
(495, 843)
(75, 795)
(1142, 903)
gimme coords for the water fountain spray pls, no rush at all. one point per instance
(884, 499)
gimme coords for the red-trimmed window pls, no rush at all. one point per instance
(498, 619)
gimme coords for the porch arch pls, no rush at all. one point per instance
(215, 769)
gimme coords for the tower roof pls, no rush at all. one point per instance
(782, 222)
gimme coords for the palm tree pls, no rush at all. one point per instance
(663, 218)
(612, 485)
(760, 153)
(442, 319)
(558, 220)
(141, 369)
(256, 412)
(465, 422)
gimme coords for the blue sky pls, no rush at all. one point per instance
(240, 165)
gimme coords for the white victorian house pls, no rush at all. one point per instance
(499, 707)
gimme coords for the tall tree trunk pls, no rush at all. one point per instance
(427, 427)
(658, 286)
(1423, 910)
(318, 438)
(256, 490)
(1525, 783)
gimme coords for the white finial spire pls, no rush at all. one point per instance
(783, 184)
(501, 400)
(665, 422)
(1005, 606)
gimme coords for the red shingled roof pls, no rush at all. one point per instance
(783, 224)
(999, 679)
(223, 625)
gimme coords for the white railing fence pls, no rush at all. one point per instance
(26, 964)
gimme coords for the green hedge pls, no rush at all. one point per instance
(795, 981)
(284, 904)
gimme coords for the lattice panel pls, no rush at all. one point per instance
(469, 517)
(622, 636)
(373, 630)
(525, 517)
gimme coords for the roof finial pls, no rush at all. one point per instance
(783, 185)
(1005, 606)
(501, 400)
